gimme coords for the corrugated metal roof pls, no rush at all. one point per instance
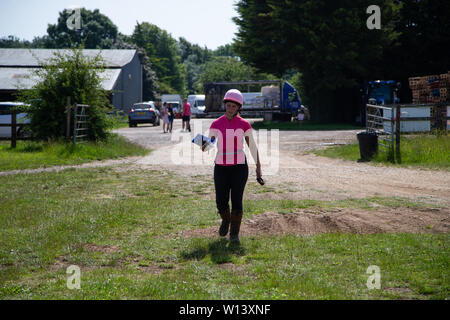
(22, 78)
(109, 78)
(115, 58)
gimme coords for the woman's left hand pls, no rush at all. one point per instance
(258, 172)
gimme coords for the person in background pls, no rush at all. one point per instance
(301, 116)
(165, 114)
(186, 115)
(171, 117)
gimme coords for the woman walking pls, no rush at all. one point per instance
(231, 168)
(171, 116)
(166, 121)
(301, 116)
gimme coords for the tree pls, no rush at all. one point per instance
(327, 41)
(97, 31)
(424, 27)
(186, 49)
(227, 50)
(223, 69)
(193, 58)
(150, 85)
(161, 48)
(229, 69)
(193, 71)
(13, 42)
(67, 75)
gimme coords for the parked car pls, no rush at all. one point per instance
(5, 132)
(143, 112)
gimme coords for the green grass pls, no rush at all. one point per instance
(52, 220)
(430, 150)
(30, 155)
(118, 121)
(426, 151)
(306, 126)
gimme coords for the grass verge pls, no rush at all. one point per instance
(117, 121)
(425, 151)
(31, 155)
(121, 227)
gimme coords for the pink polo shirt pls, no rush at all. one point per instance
(187, 109)
(230, 139)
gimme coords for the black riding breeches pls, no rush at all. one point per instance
(230, 179)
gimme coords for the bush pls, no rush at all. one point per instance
(67, 74)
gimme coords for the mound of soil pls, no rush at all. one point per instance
(357, 221)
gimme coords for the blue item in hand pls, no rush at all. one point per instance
(201, 140)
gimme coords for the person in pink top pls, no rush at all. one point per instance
(231, 169)
(186, 115)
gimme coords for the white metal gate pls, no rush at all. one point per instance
(80, 121)
(381, 121)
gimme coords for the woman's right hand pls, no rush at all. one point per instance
(213, 138)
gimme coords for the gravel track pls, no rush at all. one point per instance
(300, 176)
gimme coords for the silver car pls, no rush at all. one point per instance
(22, 118)
(143, 112)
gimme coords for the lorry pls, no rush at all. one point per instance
(277, 100)
(175, 100)
(197, 102)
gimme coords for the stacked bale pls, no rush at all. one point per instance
(433, 89)
(430, 89)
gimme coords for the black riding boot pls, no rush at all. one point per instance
(226, 219)
(236, 218)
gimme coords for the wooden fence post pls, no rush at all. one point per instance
(397, 136)
(13, 128)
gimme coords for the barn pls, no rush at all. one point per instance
(122, 76)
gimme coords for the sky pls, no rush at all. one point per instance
(203, 22)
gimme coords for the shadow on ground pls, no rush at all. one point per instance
(220, 250)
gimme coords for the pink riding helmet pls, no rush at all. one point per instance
(235, 96)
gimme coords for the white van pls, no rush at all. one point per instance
(197, 102)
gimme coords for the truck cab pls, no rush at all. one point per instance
(291, 99)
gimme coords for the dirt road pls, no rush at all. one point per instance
(306, 176)
(293, 173)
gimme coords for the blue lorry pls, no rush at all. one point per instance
(277, 100)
